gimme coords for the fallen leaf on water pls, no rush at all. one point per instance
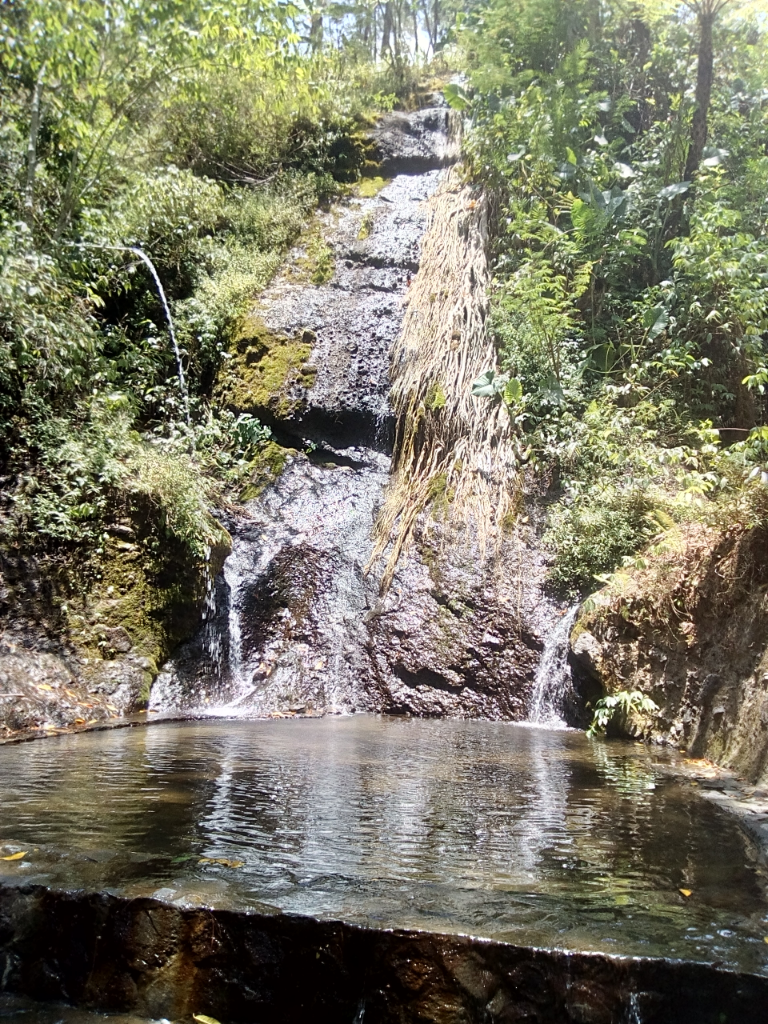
(687, 892)
(222, 860)
(204, 1018)
(765, 938)
(16, 856)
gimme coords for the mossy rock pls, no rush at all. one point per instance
(369, 187)
(265, 468)
(143, 602)
(266, 373)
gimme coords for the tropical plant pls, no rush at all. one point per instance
(621, 705)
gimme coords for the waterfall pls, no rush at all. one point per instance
(552, 684)
(164, 301)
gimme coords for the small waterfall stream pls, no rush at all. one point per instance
(286, 629)
(553, 683)
(294, 625)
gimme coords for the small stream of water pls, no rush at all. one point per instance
(553, 684)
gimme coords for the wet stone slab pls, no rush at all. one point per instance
(144, 957)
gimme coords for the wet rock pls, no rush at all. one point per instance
(707, 672)
(417, 142)
(297, 618)
(353, 320)
(124, 683)
(41, 691)
(453, 640)
(143, 956)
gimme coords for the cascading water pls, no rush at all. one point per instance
(286, 630)
(553, 683)
(295, 624)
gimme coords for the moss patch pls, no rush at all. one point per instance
(142, 601)
(320, 261)
(265, 468)
(366, 226)
(367, 188)
(266, 371)
(441, 496)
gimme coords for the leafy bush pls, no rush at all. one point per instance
(591, 534)
(621, 705)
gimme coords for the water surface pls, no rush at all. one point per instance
(526, 835)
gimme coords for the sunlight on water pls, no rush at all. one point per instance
(527, 835)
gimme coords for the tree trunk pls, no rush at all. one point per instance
(704, 76)
(428, 24)
(386, 30)
(34, 130)
(316, 31)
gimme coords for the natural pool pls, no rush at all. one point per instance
(533, 836)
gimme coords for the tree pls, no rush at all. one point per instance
(707, 12)
(90, 67)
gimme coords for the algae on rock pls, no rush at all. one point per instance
(266, 373)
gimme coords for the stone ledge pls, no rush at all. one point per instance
(108, 953)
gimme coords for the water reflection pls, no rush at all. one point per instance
(528, 835)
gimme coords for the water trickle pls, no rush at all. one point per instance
(286, 626)
(553, 683)
(164, 302)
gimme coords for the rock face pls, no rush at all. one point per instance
(114, 954)
(347, 323)
(413, 143)
(297, 624)
(69, 659)
(690, 631)
(453, 639)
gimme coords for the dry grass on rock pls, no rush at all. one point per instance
(449, 446)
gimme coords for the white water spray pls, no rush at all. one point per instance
(553, 676)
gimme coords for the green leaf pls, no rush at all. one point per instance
(489, 384)
(655, 321)
(678, 189)
(455, 97)
(513, 392)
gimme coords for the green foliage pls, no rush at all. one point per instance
(591, 534)
(621, 705)
(629, 302)
(205, 136)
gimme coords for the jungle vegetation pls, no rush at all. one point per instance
(625, 143)
(193, 138)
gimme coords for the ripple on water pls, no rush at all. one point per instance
(526, 835)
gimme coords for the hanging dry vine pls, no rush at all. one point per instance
(448, 445)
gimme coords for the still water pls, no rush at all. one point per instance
(526, 835)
